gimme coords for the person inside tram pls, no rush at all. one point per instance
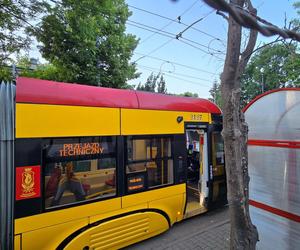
(69, 182)
(193, 164)
(53, 181)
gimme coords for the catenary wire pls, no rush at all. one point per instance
(168, 34)
(173, 73)
(170, 22)
(175, 77)
(170, 19)
(176, 63)
(167, 42)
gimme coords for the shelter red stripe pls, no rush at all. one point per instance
(273, 210)
(274, 143)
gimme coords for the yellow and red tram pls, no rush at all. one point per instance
(100, 168)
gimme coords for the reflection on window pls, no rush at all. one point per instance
(79, 169)
(218, 148)
(193, 139)
(153, 156)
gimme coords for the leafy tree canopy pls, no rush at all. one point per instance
(154, 83)
(24, 67)
(189, 94)
(6, 74)
(86, 41)
(15, 17)
(157, 83)
(274, 66)
(215, 93)
(45, 71)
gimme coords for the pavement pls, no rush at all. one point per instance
(206, 231)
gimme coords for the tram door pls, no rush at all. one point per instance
(197, 174)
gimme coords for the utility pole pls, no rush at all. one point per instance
(262, 80)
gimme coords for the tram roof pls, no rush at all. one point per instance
(31, 90)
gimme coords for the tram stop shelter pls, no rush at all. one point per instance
(274, 167)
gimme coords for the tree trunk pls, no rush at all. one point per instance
(243, 233)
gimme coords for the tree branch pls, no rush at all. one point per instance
(222, 14)
(267, 44)
(247, 20)
(245, 56)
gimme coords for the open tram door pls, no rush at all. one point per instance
(217, 183)
(206, 177)
(197, 169)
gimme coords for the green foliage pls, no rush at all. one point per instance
(86, 41)
(215, 92)
(295, 23)
(44, 71)
(161, 85)
(189, 94)
(150, 84)
(24, 68)
(154, 83)
(6, 74)
(297, 7)
(274, 66)
(15, 16)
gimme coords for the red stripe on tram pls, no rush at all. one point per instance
(274, 143)
(273, 210)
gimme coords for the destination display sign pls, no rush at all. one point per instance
(135, 183)
(75, 149)
(61, 149)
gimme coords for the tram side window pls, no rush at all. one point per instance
(218, 149)
(79, 169)
(153, 156)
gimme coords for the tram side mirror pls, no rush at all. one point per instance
(179, 119)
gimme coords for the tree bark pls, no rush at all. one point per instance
(243, 233)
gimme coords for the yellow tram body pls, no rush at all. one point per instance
(125, 217)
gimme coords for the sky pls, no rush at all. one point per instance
(194, 61)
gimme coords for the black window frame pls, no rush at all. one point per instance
(76, 139)
(132, 174)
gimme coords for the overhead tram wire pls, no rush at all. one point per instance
(169, 23)
(154, 33)
(191, 25)
(175, 20)
(176, 63)
(189, 8)
(184, 75)
(173, 73)
(152, 51)
(175, 77)
(177, 36)
(172, 36)
(167, 42)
